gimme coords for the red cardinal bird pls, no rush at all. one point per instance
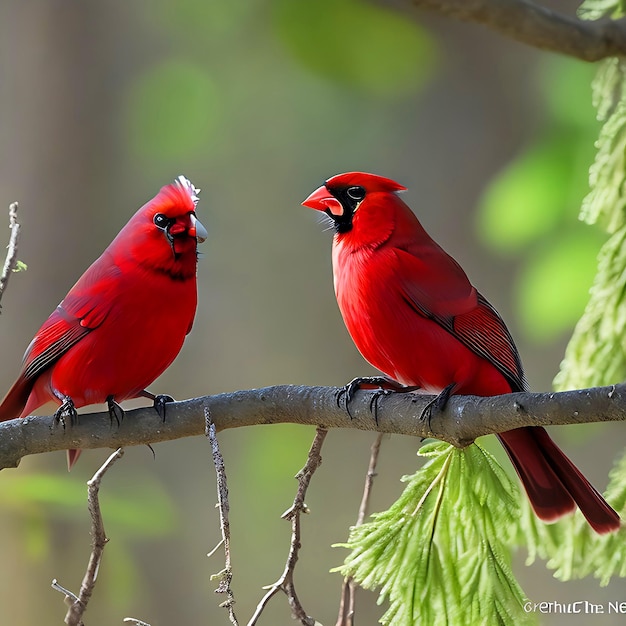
(123, 322)
(413, 314)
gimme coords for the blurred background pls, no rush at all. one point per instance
(258, 102)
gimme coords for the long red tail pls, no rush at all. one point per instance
(553, 483)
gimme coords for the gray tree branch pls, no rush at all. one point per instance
(537, 26)
(464, 419)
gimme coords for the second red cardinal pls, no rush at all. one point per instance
(414, 315)
(124, 321)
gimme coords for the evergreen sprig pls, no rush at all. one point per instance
(440, 554)
(596, 353)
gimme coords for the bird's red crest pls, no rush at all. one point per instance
(371, 182)
(180, 194)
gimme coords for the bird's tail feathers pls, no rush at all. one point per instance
(553, 483)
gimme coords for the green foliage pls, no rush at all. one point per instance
(201, 22)
(528, 208)
(548, 308)
(440, 554)
(43, 502)
(357, 44)
(596, 354)
(527, 200)
(595, 9)
(571, 548)
(37, 498)
(173, 111)
(605, 203)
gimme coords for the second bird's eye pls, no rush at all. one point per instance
(161, 221)
(356, 193)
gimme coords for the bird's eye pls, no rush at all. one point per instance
(161, 221)
(356, 193)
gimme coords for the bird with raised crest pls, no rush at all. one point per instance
(414, 315)
(123, 322)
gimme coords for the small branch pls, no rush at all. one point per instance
(464, 419)
(285, 582)
(70, 596)
(348, 589)
(226, 575)
(78, 604)
(539, 27)
(10, 262)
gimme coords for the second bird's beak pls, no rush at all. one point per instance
(197, 230)
(322, 200)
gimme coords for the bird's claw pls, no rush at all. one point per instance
(116, 412)
(160, 403)
(437, 404)
(384, 386)
(348, 392)
(67, 409)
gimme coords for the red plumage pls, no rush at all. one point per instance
(125, 320)
(413, 314)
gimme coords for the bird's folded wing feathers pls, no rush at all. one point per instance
(83, 309)
(461, 310)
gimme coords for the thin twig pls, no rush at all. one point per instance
(70, 596)
(78, 604)
(226, 575)
(10, 262)
(348, 590)
(285, 583)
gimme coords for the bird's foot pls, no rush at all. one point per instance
(437, 404)
(160, 403)
(66, 410)
(116, 412)
(383, 385)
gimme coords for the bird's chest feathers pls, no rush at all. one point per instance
(363, 286)
(390, 333)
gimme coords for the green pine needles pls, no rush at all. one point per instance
(596, 354)
(441, 554)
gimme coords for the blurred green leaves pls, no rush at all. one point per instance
(173, 111)
(528, 200)
(530, 207)
(553, 286)
(133, 511)
(40, 498)
(201, 22)
(357, 44)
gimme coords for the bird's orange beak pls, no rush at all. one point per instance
(322, 200)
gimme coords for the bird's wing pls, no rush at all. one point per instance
(483, 331)
(83, 309)
(448, 298)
